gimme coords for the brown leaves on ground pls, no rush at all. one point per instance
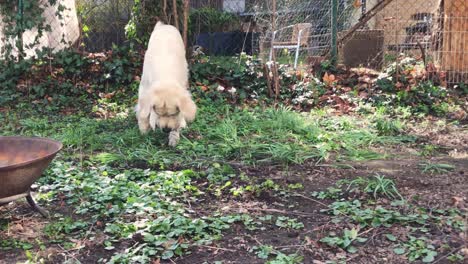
(357, 3)
(329, 79)
(25, 228)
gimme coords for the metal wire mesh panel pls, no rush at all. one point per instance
(451, 49)
(371, 33)
(103, 23)
(430, 30)
(46, 24)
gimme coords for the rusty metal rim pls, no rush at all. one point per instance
(52, 154)
(6, 200)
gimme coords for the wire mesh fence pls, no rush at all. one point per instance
(434, 31)
(43, 24)
(370, 33)
(103, 23)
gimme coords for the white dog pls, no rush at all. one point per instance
(163, 98)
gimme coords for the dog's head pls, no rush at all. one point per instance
(171, 104)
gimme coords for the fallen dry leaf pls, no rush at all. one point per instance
(328, 79)
(456, 201)
(357, 3)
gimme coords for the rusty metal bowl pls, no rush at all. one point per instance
(22, 162)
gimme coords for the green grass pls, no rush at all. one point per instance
(436, 168)
(109, 173)
(220, 134)
(376, 185)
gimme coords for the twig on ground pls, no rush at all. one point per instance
(365, 232)
(310, 199)
(271, 210)
(64, 251)
(217, 248)
(448, 254)
(290, 246)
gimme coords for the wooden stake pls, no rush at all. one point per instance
(274, 67)
(165, 12)
(174, 12)
(186, 17)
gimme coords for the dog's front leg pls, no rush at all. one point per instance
(143, 120)
(174, 137)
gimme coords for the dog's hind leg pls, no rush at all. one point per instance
(174, 137)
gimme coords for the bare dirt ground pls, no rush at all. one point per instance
(424, 189)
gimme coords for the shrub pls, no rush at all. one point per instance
(208, 19)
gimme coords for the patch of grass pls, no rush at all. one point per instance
(388, 127)
(220, 134)
(376, 185)
(363, 154)
(436, 168)
(428, 150)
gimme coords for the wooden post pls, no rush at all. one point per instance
(20, 24)
(174, 12)
(454, 53)
(186, 17)
(274, 68)
(166, 19)
(334, 32)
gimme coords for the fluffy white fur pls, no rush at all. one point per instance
(163, 98)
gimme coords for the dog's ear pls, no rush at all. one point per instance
(187, 107)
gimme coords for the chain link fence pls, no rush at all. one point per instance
(29, 26)
(435, 31)
(369, 33)
(103, 23)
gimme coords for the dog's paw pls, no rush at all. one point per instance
(144, 127)
(173, 142)
(173, 138)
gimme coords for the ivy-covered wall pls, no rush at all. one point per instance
(41, 24)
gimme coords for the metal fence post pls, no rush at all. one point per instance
(334, 32)
(20, 29)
